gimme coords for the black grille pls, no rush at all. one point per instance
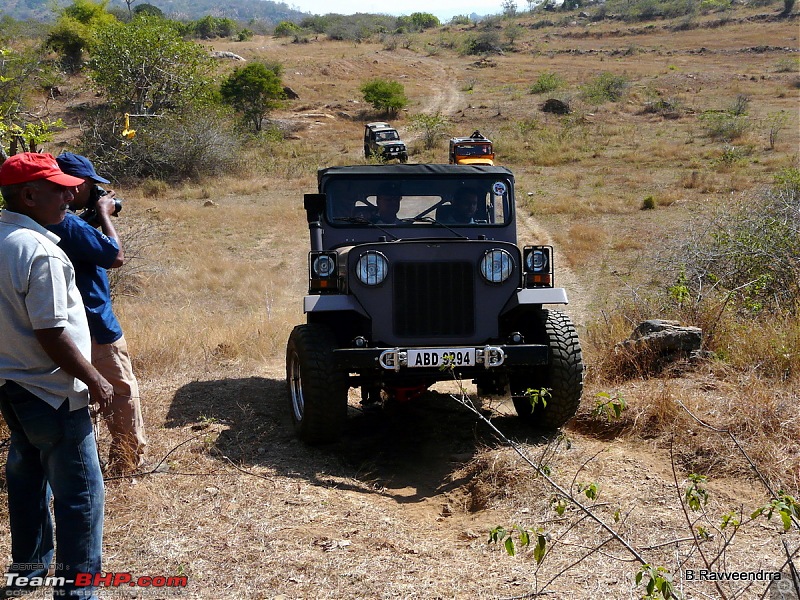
(433, 299)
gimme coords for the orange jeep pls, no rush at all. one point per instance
(473, 150)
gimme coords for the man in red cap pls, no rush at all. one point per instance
(47, 379)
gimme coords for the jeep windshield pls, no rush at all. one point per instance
(386, 136)
(473, 149)
(425, 201)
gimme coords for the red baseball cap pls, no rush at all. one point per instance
(31, 166)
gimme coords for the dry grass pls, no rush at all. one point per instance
(402, 507)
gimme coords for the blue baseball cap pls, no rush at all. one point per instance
(79, 166)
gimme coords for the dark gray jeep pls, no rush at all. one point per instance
(383, 141)
(415, 277)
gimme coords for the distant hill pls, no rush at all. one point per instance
(239, 10)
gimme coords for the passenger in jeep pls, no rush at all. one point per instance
(388, 205)
(465, 205)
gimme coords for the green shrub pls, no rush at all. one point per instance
(547, 82)
(789, 64)
(747, 253)
(417, 21)
(787, 182)
(606, 87)
(460, 20)
(483, 43)
(724, 126)
(649, 203)
(385, 96)
(212, 27)
(286, 29)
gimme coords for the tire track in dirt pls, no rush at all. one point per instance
(446, 97)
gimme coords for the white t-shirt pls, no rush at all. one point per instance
(37, 291)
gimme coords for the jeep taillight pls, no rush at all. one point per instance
(323, 273)
(538, 265)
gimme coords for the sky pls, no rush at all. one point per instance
(444, 9)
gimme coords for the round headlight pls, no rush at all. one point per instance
(536, 261)
(372, 268)
(323, 265)
(497, 266)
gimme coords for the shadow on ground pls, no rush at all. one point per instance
(409, 452)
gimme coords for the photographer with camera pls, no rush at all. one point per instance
(92, 244)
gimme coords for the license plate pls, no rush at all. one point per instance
(438, 357)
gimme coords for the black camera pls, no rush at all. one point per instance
(90, 213)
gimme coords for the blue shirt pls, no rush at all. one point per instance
(91, 252)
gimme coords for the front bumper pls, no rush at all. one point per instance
(491, 357)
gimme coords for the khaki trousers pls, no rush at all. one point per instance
(123, 414)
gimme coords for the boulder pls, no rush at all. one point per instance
(665, 337)
(225, 54)
(657, 343)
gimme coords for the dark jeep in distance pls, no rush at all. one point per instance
(383, 141)
(394, 298)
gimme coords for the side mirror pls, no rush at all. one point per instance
(314, 205)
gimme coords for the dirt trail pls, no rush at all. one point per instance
(446, 97)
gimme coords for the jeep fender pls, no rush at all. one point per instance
(536, 296)
(332, 303)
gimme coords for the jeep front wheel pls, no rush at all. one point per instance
(317, 388)
(563, 377)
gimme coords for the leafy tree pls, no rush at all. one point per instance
(253, 90)
(418, 21)
(385, 96)
(212, 27)
(20, 130)
(145, 66)
(286, 29)
(149, 10)
(73, 33)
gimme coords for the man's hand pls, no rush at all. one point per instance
(106, 203)
(100, 391)
(105, 208)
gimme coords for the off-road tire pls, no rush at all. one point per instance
(367, 152)
(563, 376)
(317, 388)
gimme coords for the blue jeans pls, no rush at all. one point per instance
(52, 452)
